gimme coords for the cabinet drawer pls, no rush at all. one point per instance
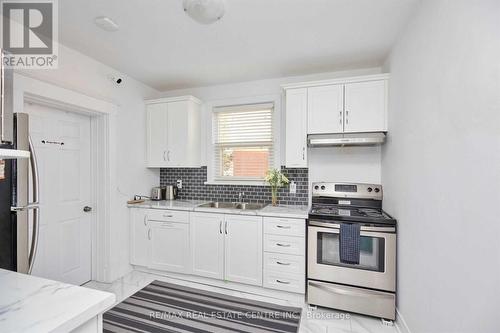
(168, 215)
(285, 281)
(284, 244)
(285, 263)
(284, 226)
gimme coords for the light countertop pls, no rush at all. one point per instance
(298, 212)
(33, 304)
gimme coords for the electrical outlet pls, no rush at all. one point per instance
(179, 183)
(293, 187)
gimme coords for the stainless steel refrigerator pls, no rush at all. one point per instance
(19, 214)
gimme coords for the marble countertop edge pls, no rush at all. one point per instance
(285, 211)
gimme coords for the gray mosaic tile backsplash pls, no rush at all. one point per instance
(193, 187)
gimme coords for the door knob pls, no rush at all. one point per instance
(87, 209)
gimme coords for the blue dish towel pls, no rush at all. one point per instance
(350, 239)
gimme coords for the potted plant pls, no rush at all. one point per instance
(276, 179)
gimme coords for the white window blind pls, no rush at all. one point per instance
(243, 141)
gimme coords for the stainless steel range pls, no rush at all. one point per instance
(367, 285)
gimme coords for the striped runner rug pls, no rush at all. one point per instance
(166, 307)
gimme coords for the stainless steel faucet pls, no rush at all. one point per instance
(241, 195)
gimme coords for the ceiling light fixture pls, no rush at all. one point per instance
(105, 23)
(204, 11)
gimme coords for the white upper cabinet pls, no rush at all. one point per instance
(173, 132)
(296, 128)
(325, 109)
(365, 106)
(336, 106)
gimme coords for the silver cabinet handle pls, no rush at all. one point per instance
(283, 245)
(283, 282)
(149, 234)
(283, 226)
(303, 153)
(146, 219)
(220, 227)
(340, 117)
(168, 155)
(225, 227)
(283, 263)
(164, 153)
(36, 212)
(168, 216)
(347, 117)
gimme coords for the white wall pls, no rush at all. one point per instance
(85, 76)
(441, 166)
(336, 164)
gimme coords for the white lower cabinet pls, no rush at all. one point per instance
(284, 254)
(253, 250)
(243, 249)
(159, 244)
(207, 245)
(227, 247)
(140, 249)
(170, 246)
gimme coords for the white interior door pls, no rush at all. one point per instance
(62, 144)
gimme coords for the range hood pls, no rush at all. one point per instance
(346, 139)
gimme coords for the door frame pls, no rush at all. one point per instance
(102, 120)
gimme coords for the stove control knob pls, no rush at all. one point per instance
(316, 187)
(369, 189)
(323, 187)
(377, 190)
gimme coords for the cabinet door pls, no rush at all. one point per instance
(207, 245)
(140, 247)
(366, 106)
(296, 128)
(325, 109)
(243, 249)
(170, 246)
(157, 134)
(177, 132)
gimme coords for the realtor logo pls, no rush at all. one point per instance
(29, 34)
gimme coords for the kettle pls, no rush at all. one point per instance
(171, 192)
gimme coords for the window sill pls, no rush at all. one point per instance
(237, 182)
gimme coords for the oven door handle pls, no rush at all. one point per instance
(345, 292)
(335, 227)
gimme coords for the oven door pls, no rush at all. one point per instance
(377, 264)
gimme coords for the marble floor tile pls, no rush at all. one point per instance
(313, 320)
(365, 324)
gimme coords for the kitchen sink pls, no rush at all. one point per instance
(233, 205)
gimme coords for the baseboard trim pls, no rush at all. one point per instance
(401, 325)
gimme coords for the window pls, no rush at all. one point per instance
(243, 141)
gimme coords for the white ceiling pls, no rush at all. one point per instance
(161, 46)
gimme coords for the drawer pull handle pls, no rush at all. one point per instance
(168, 216)
(146, 219)
(283, 226)
(283, 245)
(283, 282)
(149, 234)
(283, 263)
